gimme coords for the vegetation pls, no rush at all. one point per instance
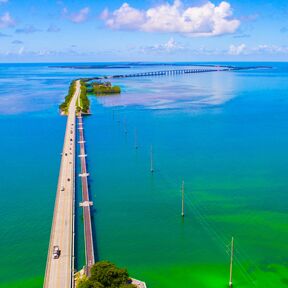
(106, 275)
(84, 101)
(65, 105)
(105, 88)
(82, 105)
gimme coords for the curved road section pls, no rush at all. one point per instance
(60, 260)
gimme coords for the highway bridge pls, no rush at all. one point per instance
(170, 72)
(60, 271)
(161, 73)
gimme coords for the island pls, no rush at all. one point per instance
(97, 88)
(82, 104)
(103, 88)
(106, 274)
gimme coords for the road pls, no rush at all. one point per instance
(88, 236)
(60, 272)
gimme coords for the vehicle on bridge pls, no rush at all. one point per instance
(56, 252)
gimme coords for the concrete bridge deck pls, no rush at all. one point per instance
(60, 272)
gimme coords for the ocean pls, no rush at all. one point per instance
(223, 133)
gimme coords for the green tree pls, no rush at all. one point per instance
(108, 274)
(87, 283)
(83, 284)
(127, 286)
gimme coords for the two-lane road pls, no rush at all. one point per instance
(60, 272)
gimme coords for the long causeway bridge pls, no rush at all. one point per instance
(171, 72)
(60, 267)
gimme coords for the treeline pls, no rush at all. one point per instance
(105, 88)
(84, 101)
(65, 105)
(97, 88)
(106, 275)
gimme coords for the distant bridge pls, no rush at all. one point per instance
(169, 72)
(159, 73)
(175, 72)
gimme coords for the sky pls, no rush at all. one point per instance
(143, 30)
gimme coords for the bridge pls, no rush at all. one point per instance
(86, 203)
(170, 72)
(60, 271)
(164, 73)
(178, 72)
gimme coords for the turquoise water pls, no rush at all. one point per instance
(223, 133)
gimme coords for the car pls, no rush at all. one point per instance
(56, 252)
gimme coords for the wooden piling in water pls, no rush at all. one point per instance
(182, 213)
(231, 263)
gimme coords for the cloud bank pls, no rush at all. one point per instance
(261, 49)
(206, 20)
(236, 49)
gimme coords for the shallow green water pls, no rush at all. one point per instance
(224, 134)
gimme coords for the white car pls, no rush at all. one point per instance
(56, 252)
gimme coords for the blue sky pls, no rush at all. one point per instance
(146, 30)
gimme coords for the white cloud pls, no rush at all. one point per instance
(205, 20)
(170, 46)
(270, 49)
(236, 49)
(261, 49)
(78, 17)
(3, 1)
(6, 20)
(125, 17)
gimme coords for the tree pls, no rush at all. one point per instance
(87, 283)
(127, 286)
(109, 275)
(83, 284)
